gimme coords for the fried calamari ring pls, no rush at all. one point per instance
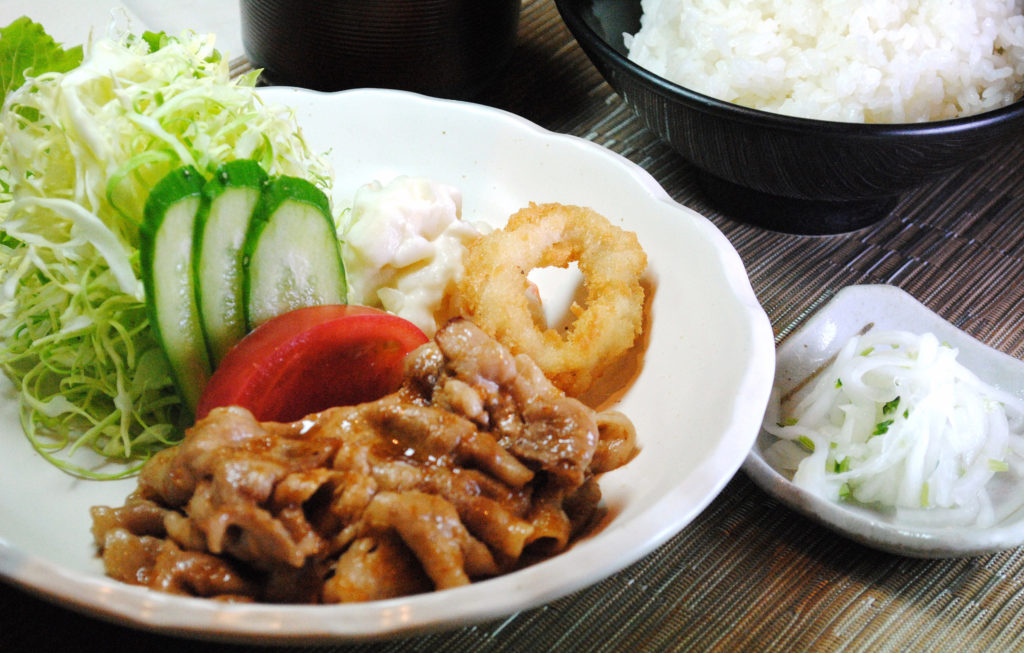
(493, 290)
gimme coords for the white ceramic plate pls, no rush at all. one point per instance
(811, 346)
(697, 401)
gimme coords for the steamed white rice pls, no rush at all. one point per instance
(882, 61)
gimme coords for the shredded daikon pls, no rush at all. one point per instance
(895, 421)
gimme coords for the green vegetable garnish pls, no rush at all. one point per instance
(26, 49)
(155, 40)
(79, 152)
(998, 465)
(890, 406)
(882, 427)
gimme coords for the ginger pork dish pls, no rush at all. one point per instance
(474, 467)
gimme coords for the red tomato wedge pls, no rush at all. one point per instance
(310, 359)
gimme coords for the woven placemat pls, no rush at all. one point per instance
(747, 574)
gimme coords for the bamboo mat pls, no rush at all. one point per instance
(747, 574)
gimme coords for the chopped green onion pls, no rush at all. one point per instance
(998, 465)
(890, 406)
(882, 427)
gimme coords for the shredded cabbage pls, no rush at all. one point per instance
(78, 153)
(897, 422)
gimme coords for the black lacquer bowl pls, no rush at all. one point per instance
(789, 174)
(443, 48)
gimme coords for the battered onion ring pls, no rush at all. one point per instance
(493, 290)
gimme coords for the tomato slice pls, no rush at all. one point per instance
(310, 359)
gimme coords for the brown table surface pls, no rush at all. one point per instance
(747, 574)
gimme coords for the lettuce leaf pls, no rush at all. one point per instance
(26, 49)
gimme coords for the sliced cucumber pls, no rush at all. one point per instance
(165, 255)
(291, 256)
(229, 200)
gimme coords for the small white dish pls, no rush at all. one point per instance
(696, 391)
(810, 347)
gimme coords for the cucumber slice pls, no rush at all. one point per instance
(292, 258)
(165, 255)
(229, 200)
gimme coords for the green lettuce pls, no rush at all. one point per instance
(26, 49)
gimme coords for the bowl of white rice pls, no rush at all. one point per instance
(813, 117)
